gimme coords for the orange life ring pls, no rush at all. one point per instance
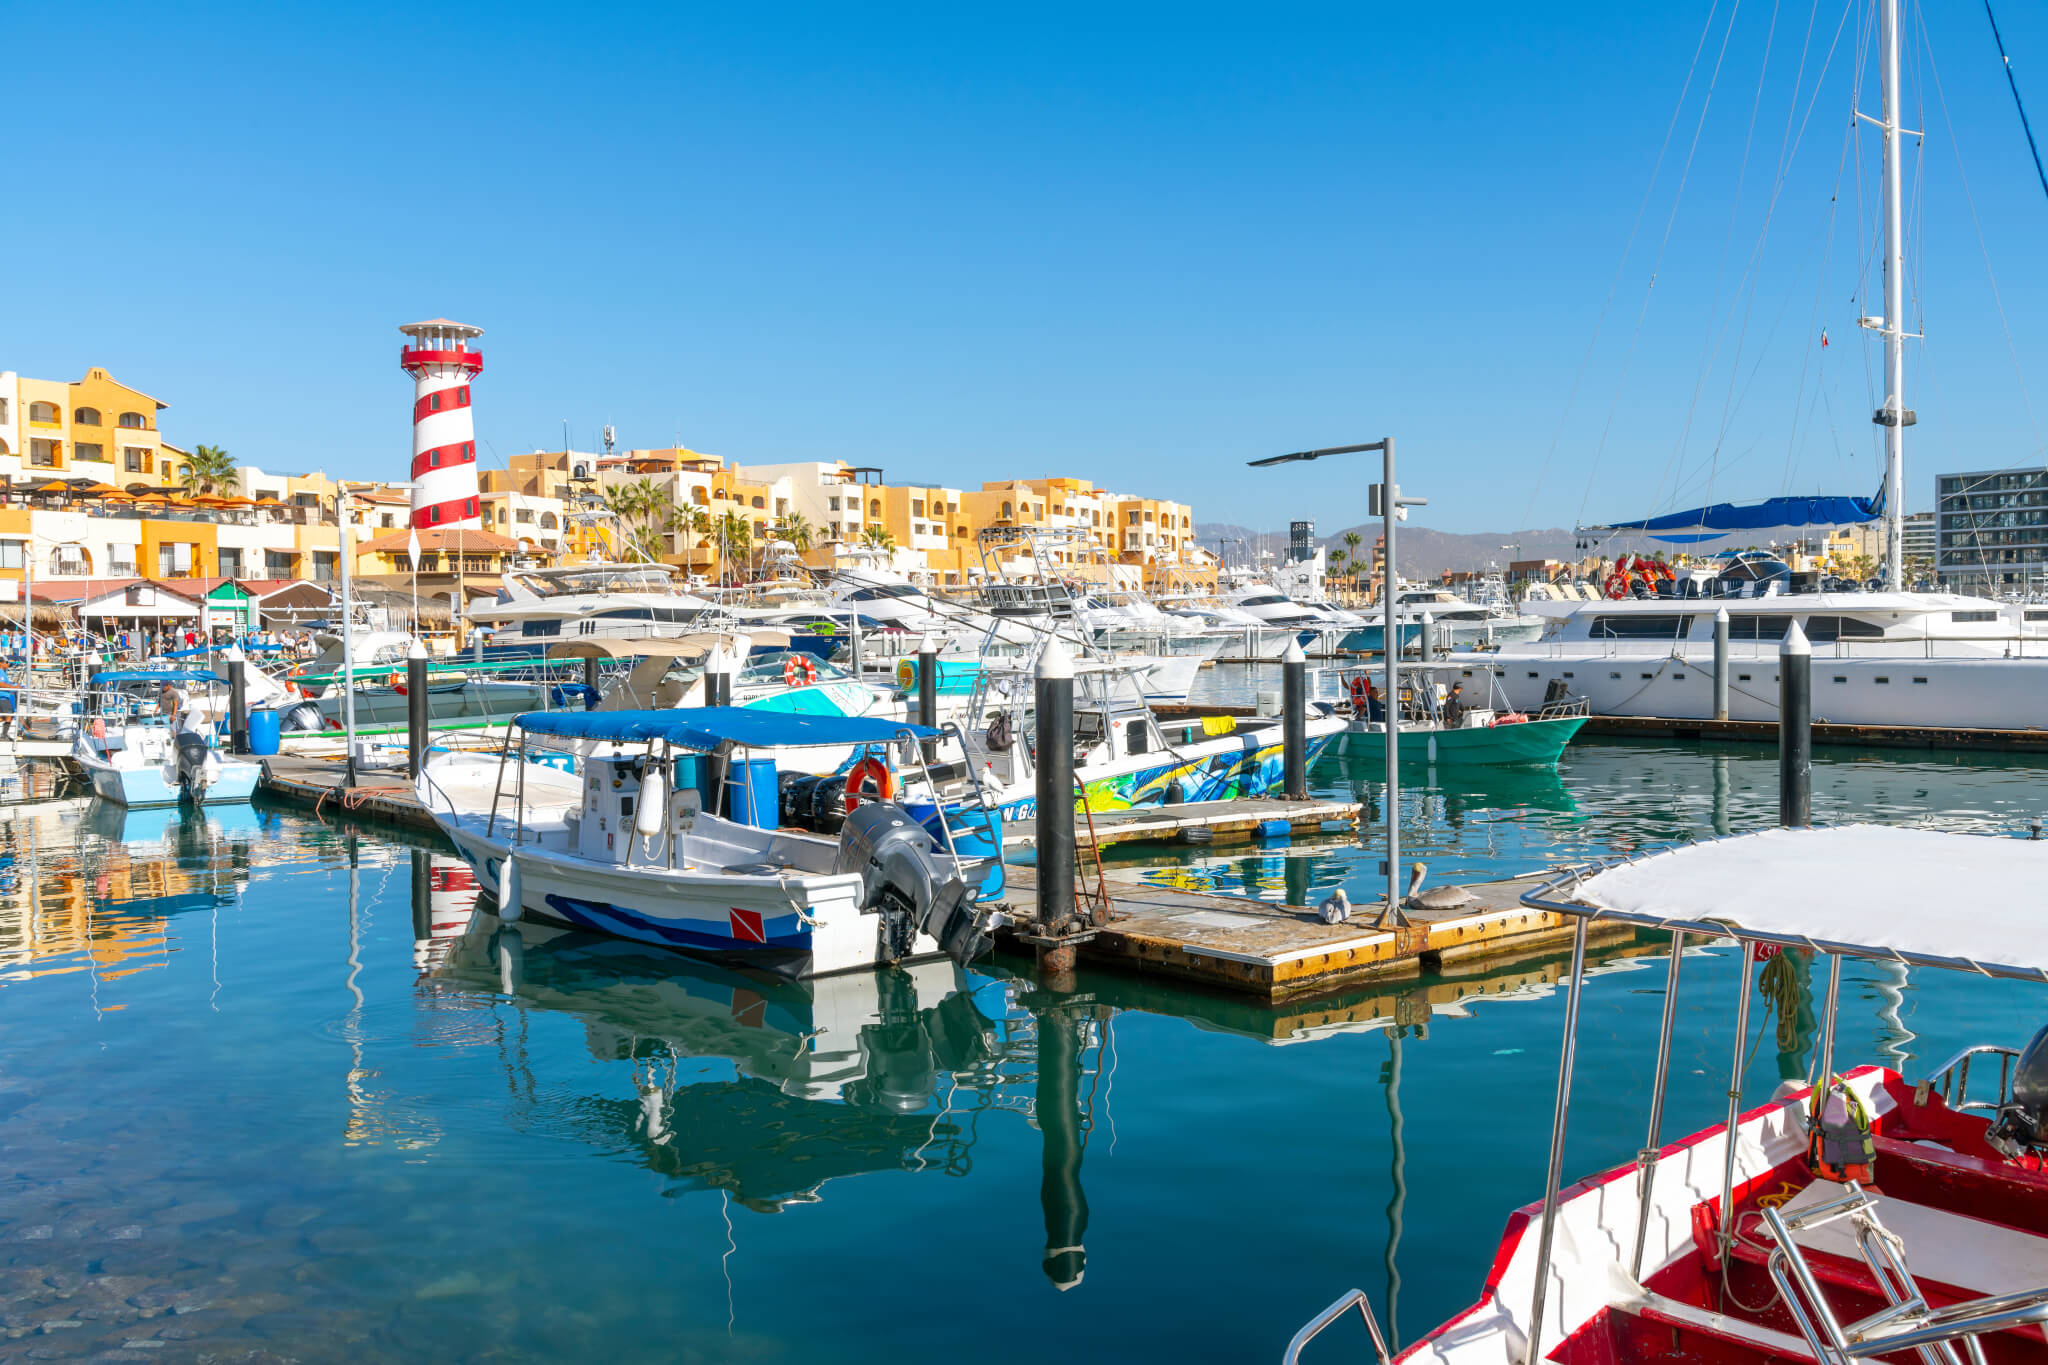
(858, 777)
(396, 682)
(1361, 694)
(797, 666)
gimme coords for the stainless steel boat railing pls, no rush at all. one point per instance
(1354, 1298)
(1952, 1079)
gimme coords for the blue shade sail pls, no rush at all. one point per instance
(707, 727)
(1724, 517)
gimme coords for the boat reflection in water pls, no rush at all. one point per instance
(836, 1076)
(444, 893)
(93, 887)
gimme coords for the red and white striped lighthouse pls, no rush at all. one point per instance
(441, 361)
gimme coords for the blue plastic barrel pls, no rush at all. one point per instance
(752, 793)
(693, 774)
(263, 730)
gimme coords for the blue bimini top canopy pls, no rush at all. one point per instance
(706, 727)
(160, 675)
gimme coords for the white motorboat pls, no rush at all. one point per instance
(1125, 756)
(620, 831)
(161, 760)
(1246, 637)
(602, 601)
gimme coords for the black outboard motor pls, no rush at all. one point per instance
(2022, 1126)
(192, 756)
(905, 879)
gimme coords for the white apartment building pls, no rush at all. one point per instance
(534, 521)
(831, 495)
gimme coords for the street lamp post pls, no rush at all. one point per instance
(1385, 502)
(345, 540)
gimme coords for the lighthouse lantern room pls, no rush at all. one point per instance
(442, 358)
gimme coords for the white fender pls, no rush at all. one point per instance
(509, 906)
(652, 812)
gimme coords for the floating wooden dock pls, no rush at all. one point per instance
(1824, 732)
(1257, 950)
(1278, 952)
(317, 783)
(1205, 822)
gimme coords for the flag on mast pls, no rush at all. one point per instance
(1823, 338)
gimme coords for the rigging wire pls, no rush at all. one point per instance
(1972, 523)
(1787, 152)
(1678, 198)
(2006, 62)
(1627, 247)
(1983, 247)
(1711, 345)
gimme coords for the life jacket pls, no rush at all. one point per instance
(1839, 1142)
(1361, 693)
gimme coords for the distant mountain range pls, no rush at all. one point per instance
(1424, 553)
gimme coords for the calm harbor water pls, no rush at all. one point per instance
(273, 1090)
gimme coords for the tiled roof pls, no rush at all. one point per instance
(435, 539)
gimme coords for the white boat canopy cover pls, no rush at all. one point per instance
(1965, 901)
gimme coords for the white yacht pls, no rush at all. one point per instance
(1879, 658)
(1455, 621)
(886, 596)
(606, 601)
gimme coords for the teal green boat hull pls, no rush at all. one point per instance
(1532, 741)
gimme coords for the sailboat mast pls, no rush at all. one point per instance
(1894, 416)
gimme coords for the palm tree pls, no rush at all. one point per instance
(798, 531)
(875, 537)
(210, 468)
(1352, 540)
(735, 533)
(646, 513)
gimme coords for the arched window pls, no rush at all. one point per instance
(547, 521)
(961, 531)
(86, 417)
(1007, 514)
(134, 421)
(759, 503)
(875, 508)
(71, 560)
(46, 413)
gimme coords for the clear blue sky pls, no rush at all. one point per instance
(1138, 245)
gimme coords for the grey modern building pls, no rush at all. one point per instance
(1991, 528)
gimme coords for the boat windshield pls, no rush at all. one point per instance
(599, 578)
(878, 591)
